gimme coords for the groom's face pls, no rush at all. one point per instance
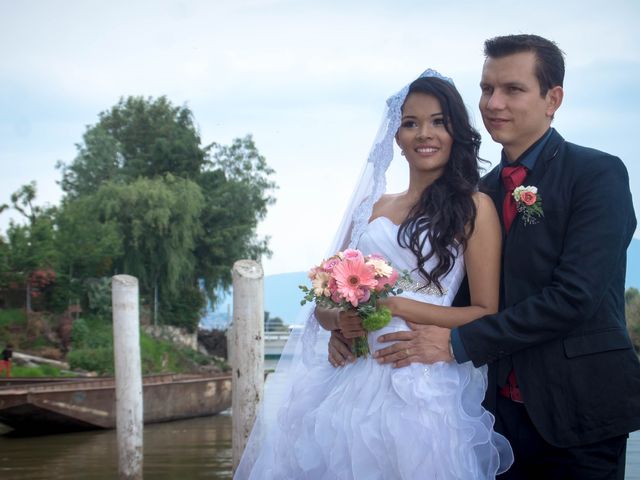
(513, 111)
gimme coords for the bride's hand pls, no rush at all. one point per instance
(423, 344)
(339, 349)
(347, 321)
(350, 324)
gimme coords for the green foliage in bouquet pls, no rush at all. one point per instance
(374, 318)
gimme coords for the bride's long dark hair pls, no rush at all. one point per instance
(444, 215)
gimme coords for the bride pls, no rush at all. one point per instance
(365, 420)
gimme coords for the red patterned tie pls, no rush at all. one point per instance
(512, 177)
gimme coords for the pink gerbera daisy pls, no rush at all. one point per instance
(354, 279)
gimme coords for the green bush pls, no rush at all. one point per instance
(13, 327)
(156, 355)
(196, 357)
(91, 332)
(63, 292)
(99, 296)
(99, 360)
(80, 333)
(93, 351)
(184, 310)
(39, 342)
(92, 345)
(160, 356)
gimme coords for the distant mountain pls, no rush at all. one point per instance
(281, 299)
(282, 295)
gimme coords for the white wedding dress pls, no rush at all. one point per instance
(370, 421)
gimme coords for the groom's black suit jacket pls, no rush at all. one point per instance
(562, 323)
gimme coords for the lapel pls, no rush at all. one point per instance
(548, 154)
(491, 184)
(534, 178)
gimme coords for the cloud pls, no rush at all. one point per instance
(307, 78)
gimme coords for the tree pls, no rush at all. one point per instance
(31, 246)
(274, 324)
(23, 199)
(184, 212)
(88, 243)
(242, 164)
(632, 313)
(631, 295)
(237, 188)
(136, 138)
(5, 276)
(158, 222)
(99, 160)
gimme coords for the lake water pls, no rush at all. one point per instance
(187, 449)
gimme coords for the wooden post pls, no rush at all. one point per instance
(247, 351)
(126, 349)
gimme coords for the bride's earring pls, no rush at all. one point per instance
(402, 152)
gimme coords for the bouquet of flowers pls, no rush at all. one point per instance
(350, 279)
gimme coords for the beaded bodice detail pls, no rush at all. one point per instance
(380, 237)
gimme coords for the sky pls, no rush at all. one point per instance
(308, 79)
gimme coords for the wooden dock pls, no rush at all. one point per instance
(45, 406)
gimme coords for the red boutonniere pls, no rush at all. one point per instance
(529, 204)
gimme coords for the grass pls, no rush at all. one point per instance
(93, 351)
(27, 335)
(12, 316)
(39, 371)
(168, 356)
(91, 346)
(13, 326)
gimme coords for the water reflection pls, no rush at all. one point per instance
(187, 449)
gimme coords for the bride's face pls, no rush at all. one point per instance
(423, 136)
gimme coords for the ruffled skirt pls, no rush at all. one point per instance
(371, 421)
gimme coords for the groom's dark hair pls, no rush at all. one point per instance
(549, 57)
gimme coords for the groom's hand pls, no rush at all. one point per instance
(339, 349)
(423, 344)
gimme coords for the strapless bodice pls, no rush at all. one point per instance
(381, 237)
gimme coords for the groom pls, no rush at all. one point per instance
(564, 379)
